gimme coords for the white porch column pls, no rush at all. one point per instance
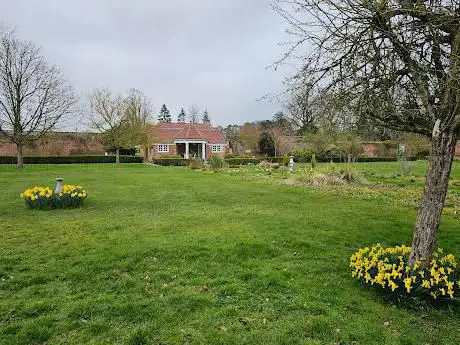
(186, 151)
(203, 150)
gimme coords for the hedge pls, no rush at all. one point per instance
(326, 159)
(171, 161)
(70, 159)
(242, 161)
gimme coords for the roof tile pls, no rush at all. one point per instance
(168, 132)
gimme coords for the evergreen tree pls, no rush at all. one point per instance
(206, 118)
(182, 116)
(164, 115)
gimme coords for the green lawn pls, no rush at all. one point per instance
(173, 256)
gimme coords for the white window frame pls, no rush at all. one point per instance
(216, 148)
(163, 148)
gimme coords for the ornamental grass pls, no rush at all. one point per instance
(44, 198)
(387, 269)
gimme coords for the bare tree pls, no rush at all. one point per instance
(399, 62)
(193, 113)
(34, 96)
(277, 134)
(301, 109)
(249, 136)
(138, 113)
(108, 117)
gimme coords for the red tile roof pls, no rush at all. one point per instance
(168, 132)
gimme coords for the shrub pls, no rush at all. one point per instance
(169, 155)
(313, 161)
(231, 156)
(405, 166)
(43, 198)
(195, 164)
(170, 161)
(352, 175)
(70, 159)
(320, 180)
(241, 161)
(274, 159)
(286, 160)
(387, 269)
(216, 163)
(302, 155)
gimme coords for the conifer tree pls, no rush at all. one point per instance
(164, 115)
(206, 118)
(182, 116)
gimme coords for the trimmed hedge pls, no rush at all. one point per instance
(70, 159)
(383, 159)
(242, 161)
(171, 161)
(325, 159)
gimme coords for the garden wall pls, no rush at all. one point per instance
(58, 144)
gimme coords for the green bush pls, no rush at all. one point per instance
(286, 160)
(242, 161)
(313, 161)
(351, 175)
(168, 155)
(70, 159)
(274, 159)
(195, 164)
(170, 161)
(231, 156)
(302, 155)
(216, 163)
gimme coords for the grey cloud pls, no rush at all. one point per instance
(212, 53)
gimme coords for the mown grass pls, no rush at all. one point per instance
(173, 256)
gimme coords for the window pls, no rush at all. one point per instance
(163, 148)
(216, 148)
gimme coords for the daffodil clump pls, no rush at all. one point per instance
(44, 198)
(387, 268)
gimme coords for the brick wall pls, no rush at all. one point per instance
(58, 144)
(373, 150)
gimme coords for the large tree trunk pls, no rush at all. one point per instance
(117, 156)
(434, 196)
(20, 156)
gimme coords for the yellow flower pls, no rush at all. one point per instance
(422, 274)
(407, 284)
(426, 284)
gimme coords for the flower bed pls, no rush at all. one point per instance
(387, 269)
(43, 198)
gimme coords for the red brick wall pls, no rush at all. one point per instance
(59, 144)
(372, 150)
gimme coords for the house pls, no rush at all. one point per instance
(188, 140)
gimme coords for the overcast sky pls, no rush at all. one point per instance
(212, 53)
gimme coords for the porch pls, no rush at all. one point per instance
(191, 149)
